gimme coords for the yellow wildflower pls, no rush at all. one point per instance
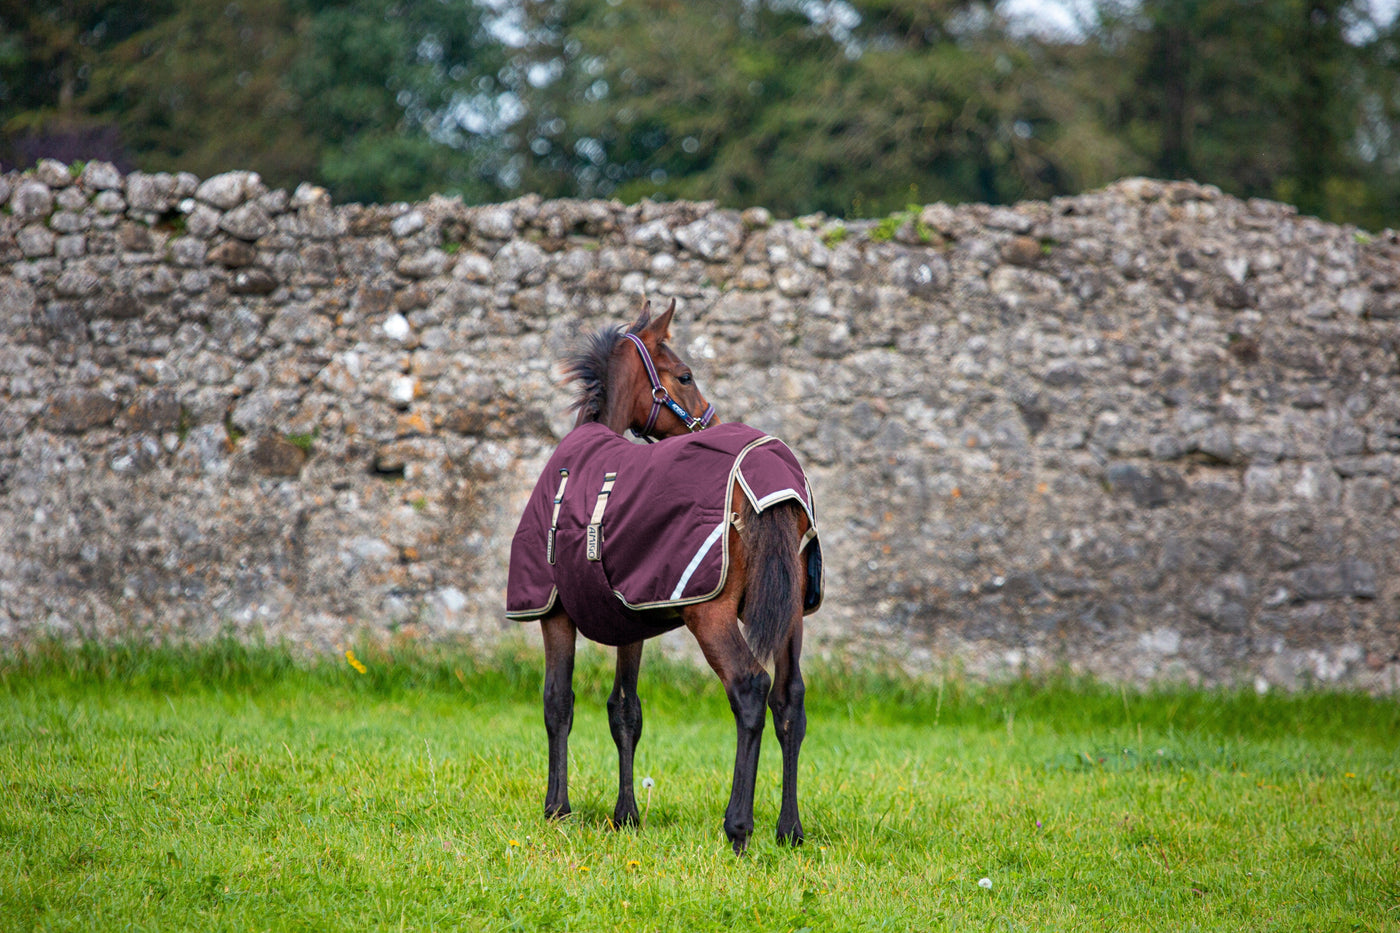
(355, 662)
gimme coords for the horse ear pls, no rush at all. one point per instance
(643, 319)
(659, 328)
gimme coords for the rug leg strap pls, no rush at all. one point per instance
(554, 521)
(595, 525)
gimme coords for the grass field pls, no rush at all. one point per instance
(228, 787)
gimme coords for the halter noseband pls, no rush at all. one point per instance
(659, 396)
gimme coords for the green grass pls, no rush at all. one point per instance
(229, 787)
(304, 442)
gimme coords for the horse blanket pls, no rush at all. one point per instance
(622, 534)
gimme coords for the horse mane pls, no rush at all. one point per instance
(588, 367)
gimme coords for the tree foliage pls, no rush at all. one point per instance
(765, 103)
(203, 89)
(47, 51)
(853, 107)
(357, 94)
(1265, 99)
(388, 87)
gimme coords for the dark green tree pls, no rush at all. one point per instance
(399, 94)
(853, 107)
(1281, 100)
(374, 98)
(1374, 199)
(204, 89)
(48, 52)
(850, 109)
(645, 98)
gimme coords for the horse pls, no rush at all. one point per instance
(760, 558)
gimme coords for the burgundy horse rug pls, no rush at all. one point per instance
(615, 530)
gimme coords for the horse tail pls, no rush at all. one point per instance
(773, 589)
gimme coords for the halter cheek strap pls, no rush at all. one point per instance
(659, 396)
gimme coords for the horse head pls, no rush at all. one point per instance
(630, 378)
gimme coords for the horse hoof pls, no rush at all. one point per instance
(556, 813)
(626, 819)
(792, 837)
(738, 833)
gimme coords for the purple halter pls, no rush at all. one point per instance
(659, 396)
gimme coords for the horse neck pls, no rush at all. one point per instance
(626, 383)
(617, 425)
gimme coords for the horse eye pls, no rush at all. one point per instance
(686, 379)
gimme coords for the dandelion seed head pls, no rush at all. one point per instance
(648, 783)
(985, 883)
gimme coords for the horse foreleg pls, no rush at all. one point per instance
(746, 683)
(559, 636)
(625, 720)
(790, 722)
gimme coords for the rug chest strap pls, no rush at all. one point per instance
(554, 521)
(595, 525)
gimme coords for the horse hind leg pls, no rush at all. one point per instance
(559, 637)
(774, 586)
(625, 721)
(790, 723)
(715, 626)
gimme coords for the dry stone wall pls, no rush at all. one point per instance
(1150, 432)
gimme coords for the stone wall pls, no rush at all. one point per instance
(1150, 432)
